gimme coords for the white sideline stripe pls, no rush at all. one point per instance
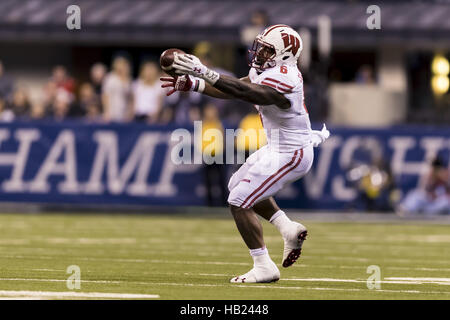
(259, 286)
(405, 260)
(213, 255)
(51, 270)
(134, 260)
(420, 269)
(441, 281)
(59, 280)
(22, 298)
(226, 263)
(54, 294)
(392, 280)
(89, 241)
(206, 274)
(420, 279)
(386, 280)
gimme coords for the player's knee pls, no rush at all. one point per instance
(235, 209)
(237, 196)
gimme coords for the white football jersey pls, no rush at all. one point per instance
(287, 130)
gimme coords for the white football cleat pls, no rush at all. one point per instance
(293, 241)
(259, 274)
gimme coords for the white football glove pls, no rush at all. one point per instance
(317, 137)
(190, 64)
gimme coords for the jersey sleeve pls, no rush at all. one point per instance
(281, 79)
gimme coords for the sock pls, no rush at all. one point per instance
(259, 251)
(281, 221)
(260, 256)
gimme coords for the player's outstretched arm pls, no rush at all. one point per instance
(186, 83)
(216, 93)
(253, 93)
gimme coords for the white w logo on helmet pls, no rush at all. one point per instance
(278, 44)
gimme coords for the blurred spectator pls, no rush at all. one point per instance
(230, 110)
(50, 90)
(167, 114)
(86, 97)
(258, 22)
(98, 73)
(62, 79)
(61, 105)
(434, 198)
(6, 115)
(182, 108)
(20, 104)
(93, 112)
(38, 110)
(148, 94)
(6, 84)
(365, 75)
(215, 180)
(116, 91)
(375, 185)
(251, 137)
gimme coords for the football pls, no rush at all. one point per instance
(166, 60)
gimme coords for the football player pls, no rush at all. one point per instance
(275, 85)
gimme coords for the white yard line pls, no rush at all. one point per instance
(420, 269)
(366, 239)
(406, 281)
(389, 280)
(49, 270)
(90, 241)
(59, 295)
(299, 265)
(259, 286)
(384, 259)
(197, 262)
(420, 280)
(60, 280)
(133, 260)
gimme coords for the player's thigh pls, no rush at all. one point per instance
(259, 175)
(265, 179)
(288, 174)
(242, 173)
(303, 167)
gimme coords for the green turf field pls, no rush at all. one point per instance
(193, 258)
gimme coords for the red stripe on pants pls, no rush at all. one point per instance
(277, 179)
(270, 178)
